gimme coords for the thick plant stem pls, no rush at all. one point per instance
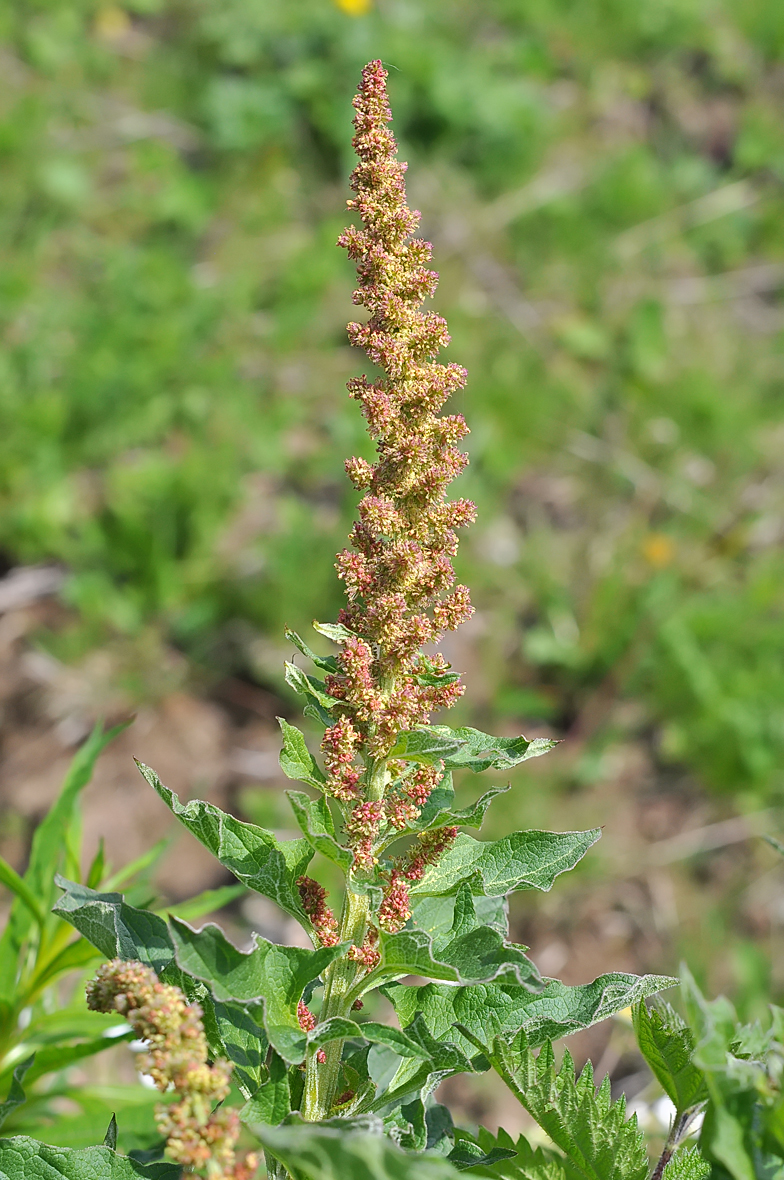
(321, 1077)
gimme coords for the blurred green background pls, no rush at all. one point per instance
(603, 184)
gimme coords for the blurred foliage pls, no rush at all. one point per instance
(603, 185)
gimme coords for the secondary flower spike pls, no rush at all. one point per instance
(398, 573)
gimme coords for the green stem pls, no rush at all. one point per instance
(321, 1078)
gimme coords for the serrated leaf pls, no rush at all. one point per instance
(522, 860)
(526, 1163)
(329, 1151)
(296, 760)
(315, 820)
(470, 1155)
(271, 975)
(16, 1094)
(667, 1044)
(308, 686)
(326, 663)
(687, 1164)
(254, 855)
(22, 1158)
(487, 1010)
(591, 1129)
(272, 1101)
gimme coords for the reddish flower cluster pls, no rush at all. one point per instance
(405, 807)
(307, 1022)
(362, 829)
(366, 955)
(313, 897)
(431, 847)
(395, 907)
(398, 575)
(339, 746)
(198, 1136)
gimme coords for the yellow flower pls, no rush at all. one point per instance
(658, 550)
(354, 7)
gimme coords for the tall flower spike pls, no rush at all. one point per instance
(398, 574)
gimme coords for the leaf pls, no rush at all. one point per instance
(667, 1044)
(271, 975)
(118, 930)
(308, 686)
(11, 879)
(466, 1154)
(487, 1010)
(315, 820)
(46, 853)
(16, 1094)
(435, 915)
(110, 1138)
(22, 1158)
(522, 860)
(326, 663)
(272, 1101)
(329, 1151)
(413, 1079)
(296, 760)
(60, 1056)
(479, 751)
(687, 1164)
(334, 631)
(425, 745)
(238, 1030)
(582, 1121)
(340, 1027)
(440, 811)
(522, 1162)
(774, 843)
(254, 855)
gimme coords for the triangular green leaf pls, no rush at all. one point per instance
(315, 820)
(254, 855)
(479, 751)
(272, 975)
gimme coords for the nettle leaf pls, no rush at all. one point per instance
(326, 663)
(296, 760)
(687, 1164)
(335, 1150)
(519, 1162)
(22, 1158)
(522, 860)
(254, 855)
(271, 975)
(308, 686)
(667, 1044)
(491, 1009)
(591, 1129)
(272, 1101)
(315, 820)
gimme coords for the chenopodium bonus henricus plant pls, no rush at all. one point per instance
(422, 897)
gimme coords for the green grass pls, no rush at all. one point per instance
(603, 185)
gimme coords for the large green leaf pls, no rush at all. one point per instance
(425, 745)
(439, 810)
(254, 855)
(466, 748)
(340, 1027)
(271, 975)
(338, 1152)
(417, 1079)
(667, 1044)
(22, 1158)
(522, 860)
(436, 915)
(591, 1130)
(296, 760)
(272, 1101)
(503, 1008)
